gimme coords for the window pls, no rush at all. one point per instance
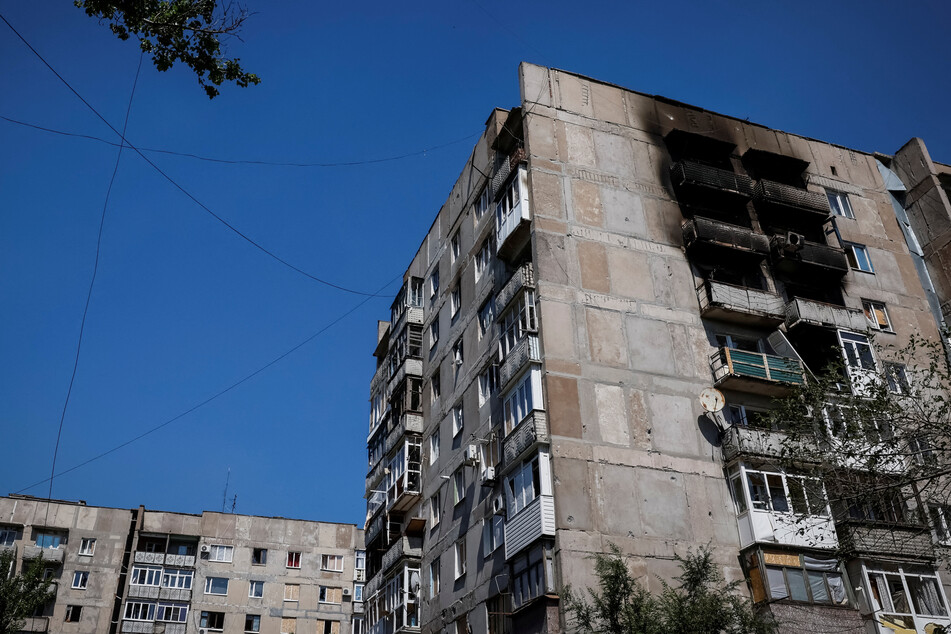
(488, 383)
(523, 486)
(483, 258)
(172, 612)
(48, 540)
(455, 301)
(358, 592)
(221, 553)
(518, 321)
(139, 611)
(258, 556)
(486, 316)
(458, 486)
(175, 578)
(876, 315)
(434, 332)
(327, 594)
(839, 202)
(747, 416)
(212, 620)
(8, 535)
(216, 585)
(904, 590)
(434, 386)
(457, 421)
(434, 284)
(482, 205)
(333, 563)
(255, 589)
(940, 516)
(288, 625)
(291, 592)
(73, 613)
(782, 493)
(490, 453)
(460, 557)
(434, 510)
(87, 546)
(858, 351)
(252, 622)
(434, 447)
(857, 255)
(738, 343)
(457, 356)
(80, 579)
(520, 400)
(796, 577)
(532, 575)
(462, 625)
(879, 504)
(434, 578)
(498, 614)
(492, 534)
(293, 559)
(328, 627)
(897, 378)
(454, 246)
(360, 560)
(146, 575)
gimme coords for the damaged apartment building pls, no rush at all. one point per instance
(604, 258)
(156, 572)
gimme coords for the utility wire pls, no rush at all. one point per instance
(224, 222)
(217, 395)
(92, 283)
(245, 161)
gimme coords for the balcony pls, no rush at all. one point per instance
(513, 216)
(527, 435)
(506, 167)
(808, 312)
(32, 551)
(525, 351)
(180, 561)
(702, 182)
(765, 374)
(143, 592)
(142, 557)
(138, 627)
(372, 585)
(742, 441)
(809, 258)
(409, 367)
(790, 529)
(739, 304)
(712, 238)
(523, 277)
(528, 525)
(777, 198)
(375, 527)
(410, 315)
(864, 538)
(402, 548)
(410, 422)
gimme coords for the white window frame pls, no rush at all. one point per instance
(327, 559)
(171, 612)
(458, 486)
(455, 301)
(459, 558)
(458, 419)
(210, 583)
(859, 258)
(358, 592)
(360, 560)
(455, 247)
(870, 571)
(434, 447)
(483, 258)
(55, 538)
(482, 204)
(80, 580)
(435, 386)
(434, 577)
(488, 383)
(8, 536)
(221, 553)
(325, 591)
(522, 398)
(177, 578)
(434, 284)
(435, 510)
(871, 309)
(146, 576)
(87, 546)
(139, 611)
(292, 561)
(434, 332)
(839, 203)
(768, 498)
(493, 534)
(255, 589)
(519, 321)
(458, 354)
(486, 316)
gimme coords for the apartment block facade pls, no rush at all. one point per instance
(148, 572)
(605, 258)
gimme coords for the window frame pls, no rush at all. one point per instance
(858, 257)
(434, 284)
(80, 580)
(325, 560)
(493, 534)
(87, 546)
(435, 510)
(259, 556)
(221, 553)
(483, 258)
(185, 575)
(212, 620)
(458, 487)
(212, 582)
(459, 558)
(150, 573)
(74, 613)
(839, 204)
(458, 419)
(136, 609)
(434, 332)
(293, 559)
(879, 311)
(255, 620)
(325, 595)
(434, 447)
(171, 612)
(455, 301)
(291, 592)
(434, 576)
(876, 602)
(258, 585)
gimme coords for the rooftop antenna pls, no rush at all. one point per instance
(224, 498)
(234, 503)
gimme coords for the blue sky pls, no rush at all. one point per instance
(182, 308)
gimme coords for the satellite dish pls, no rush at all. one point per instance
(711, 399)
(414, 583)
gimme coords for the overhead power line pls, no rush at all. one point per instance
(211, 159)
(180, 188)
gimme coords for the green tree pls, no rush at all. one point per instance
(702, 603)
(21, 594)
(187, 31)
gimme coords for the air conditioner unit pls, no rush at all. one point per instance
(488, 476)
(205, 548)
(471, 456)
(346, 592)
(794, 241)
(498, 505)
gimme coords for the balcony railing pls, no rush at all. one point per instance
(409, 367)
(525, 350)
(527, 435)
(690, 177)
(531, 523)
(506, 167)
(740, 440)
(375, 527)
(143, 592)
(36, 624)
(719, 300)
(523, 277)
(809, 257)
(373, 585)
(704, 231)
(31, 551)
(806, 311)
(862, 537)
(755, 372)
(777, 197)
(142, 557)
(404, 547)
(409, 422)
(138, 627)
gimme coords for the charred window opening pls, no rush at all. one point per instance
(778, 168)
(704, 178)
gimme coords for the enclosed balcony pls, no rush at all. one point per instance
(861, 537)
(513, 216)
(812, 313)
(524, 352)
(713, 238)
(523, 277)
(696, 182)
(403, 481)
(794, 256)
(527, 435)
(756, 372)
(531, 523)
(777, 199)
(740, 304)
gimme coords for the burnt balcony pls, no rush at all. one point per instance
(715, 238)
(524, 352)
(527, 435)
(864, 538)
(756, 372)
(523, 277)
(812, 313)
(402, 548)
(774, 198)
(743, 441)
(740, 304)
(793, 255)
(507, 165)
(709, 185)
(409, 367)
(410, 422)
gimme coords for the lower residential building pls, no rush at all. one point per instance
(604, 258)
(144, 571)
